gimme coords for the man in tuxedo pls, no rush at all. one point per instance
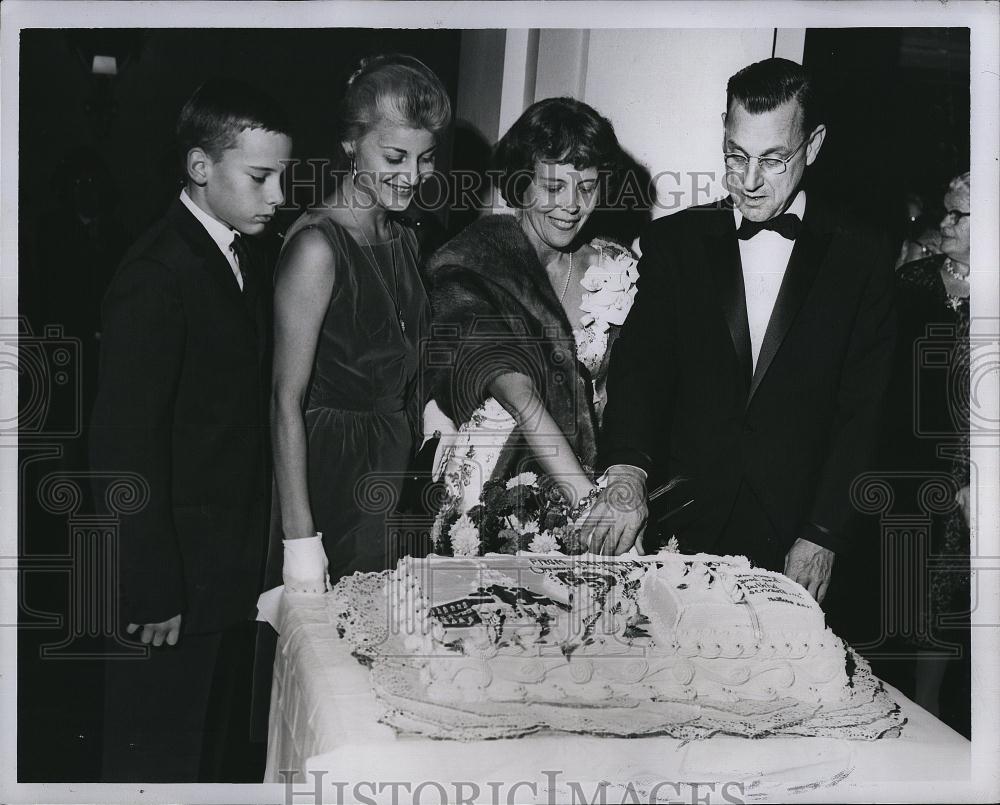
(182, 402)
(754, 362)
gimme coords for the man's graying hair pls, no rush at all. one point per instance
(767, 84)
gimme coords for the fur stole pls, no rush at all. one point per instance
(494, 311)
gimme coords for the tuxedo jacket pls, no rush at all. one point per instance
(182, 402)
(685, 402)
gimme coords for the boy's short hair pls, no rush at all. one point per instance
(219, 110)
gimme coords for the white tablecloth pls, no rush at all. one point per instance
(324, 727)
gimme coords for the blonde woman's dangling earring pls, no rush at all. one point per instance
(351, 154)
(354, 176)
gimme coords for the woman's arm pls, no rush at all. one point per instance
(517, 394)
(302, 291)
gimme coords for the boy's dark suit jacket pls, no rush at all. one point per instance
(182, 401)
(684, 401)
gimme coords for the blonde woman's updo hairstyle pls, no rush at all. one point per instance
(396, 89)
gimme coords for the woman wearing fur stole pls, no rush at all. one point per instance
(524, 313)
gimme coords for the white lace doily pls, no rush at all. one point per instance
(358, 608)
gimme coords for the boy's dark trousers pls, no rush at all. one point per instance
(181, 714)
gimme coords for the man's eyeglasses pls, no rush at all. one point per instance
(954, 216)
(740, 163)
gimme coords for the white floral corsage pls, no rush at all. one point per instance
(611, 282)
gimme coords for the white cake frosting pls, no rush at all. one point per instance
(593, 628)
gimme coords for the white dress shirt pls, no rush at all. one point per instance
(218, 231)
(765, 257)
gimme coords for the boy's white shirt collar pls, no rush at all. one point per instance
(221, 233)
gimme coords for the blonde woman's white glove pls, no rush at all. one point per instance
(305, 566)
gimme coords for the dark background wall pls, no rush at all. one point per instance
(305, 69)
(897, 103)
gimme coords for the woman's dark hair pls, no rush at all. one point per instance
(396, 88)
(219, 110)
(561, 130)
(766, 85)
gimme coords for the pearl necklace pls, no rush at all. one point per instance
(569, 276)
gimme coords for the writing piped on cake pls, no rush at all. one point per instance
(555, 628)
(733, 589)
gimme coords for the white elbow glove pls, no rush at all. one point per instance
(305, 566)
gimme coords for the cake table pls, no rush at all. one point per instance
(325, 737)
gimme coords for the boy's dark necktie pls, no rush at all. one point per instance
(244, 258)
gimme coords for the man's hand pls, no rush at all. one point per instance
(617, 519)
(811, 566)
(169, 630)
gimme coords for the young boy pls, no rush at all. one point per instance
(182, 402)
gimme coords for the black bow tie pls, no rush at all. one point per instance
(787, 225)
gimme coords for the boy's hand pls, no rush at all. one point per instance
(169, 630)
